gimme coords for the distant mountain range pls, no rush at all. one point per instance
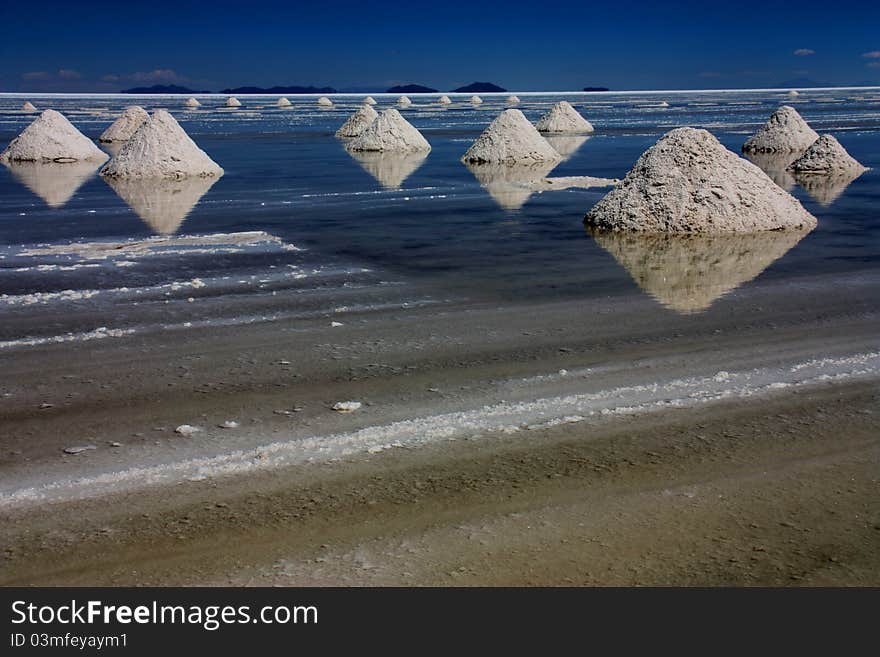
(411, 89)
(162, 89)
(479, 88)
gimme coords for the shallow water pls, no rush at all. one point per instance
(349, 234)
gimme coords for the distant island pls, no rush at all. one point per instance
(596, 89)
(162, 89)
(479, 87)
(411, 89)
(293, 89)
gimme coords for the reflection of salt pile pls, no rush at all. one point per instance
(284, 102)
(689, 183)
(126, 125)
(826, 189)
(510, 185)
(390, 132)
(369, 100)
(233, 102)
(161, 149)
(444, 100)
(389, 169)
(512, 100)
(28, 107)
(826, 156)
(511, 139)
(357, 122)
(52, 138)
(566, 145)
(775, 165)
(192, 103)
(404, 101)
(785, 132)
(563, 118)
(163, 204)
(687, 273)
(476, 100)
(323, 101)
(54, 183)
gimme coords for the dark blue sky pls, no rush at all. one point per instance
(538, 45)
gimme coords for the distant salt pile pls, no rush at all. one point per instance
(323, 101)
(390, 132)
(510, 139)
(369, 100)
(126, 125)
(161, 149)
(28, 107)
(476, 100)
(192, 103)
(444, 100)
(826, 156)
(689, 183)
(52, 138)
(357, 122)
(785, 132)
(562, 117)
(513, 100)
(233, 102)
(404, 101)
(793, 94)
(662, 103)
(284, 102)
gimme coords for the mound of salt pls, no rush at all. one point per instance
(510, 139)
(233, 102)
(162, 204)
(357, 122)
(52, 138)
(192, 103)
(161, 149)
(404, 101)
(390, 132)
(284, 102)
(793, 94)
(826, 156)
(323, 101)
(785, 132)
(476, 100)
(28, 107)
(54, 183)
(126, 125)
(444, 100)
(689, 183)
(562, 117)
(662, 103)
(513, 100)
(369, 100)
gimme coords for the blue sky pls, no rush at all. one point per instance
(107, 46)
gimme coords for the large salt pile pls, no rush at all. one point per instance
(404, 101)
(444, 100)
(785, 132)
(511, 139)
(284, 102)
(369, 100)
(52, 138)
(476, 100)
(389, 169)
(161, 149)
(126, 125)
(28, 107)
(513, 100)
(54, 183)
(826, 156)
(162, 203)
(192, 103)
(689, 183)
(390, 132)
(687, 273)
(562, 117)
(793, 94)
(357, 122)
(233, 102)
(323, 101)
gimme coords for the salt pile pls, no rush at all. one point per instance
(357, 122)
(689, 183)
(161, 149)
(688, 273)
(369, 100)
(126, 125)
(192, 103)
(444, 100)
(512, 100)
(52, 138)
(404, 101)
(476, 100)
(162, 204)
(284, 102)
(323, 101)
(54, 183)
(28, 107)
(233, 102)
(785, 132)
(826, 156)
(793, 94)
(511, 139)
(562, 117)
(390, 132)
(389, 169)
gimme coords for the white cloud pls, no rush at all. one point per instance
(874, 54)
(35, 75)
(68, 74)
(804, 52)
(157, 75)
